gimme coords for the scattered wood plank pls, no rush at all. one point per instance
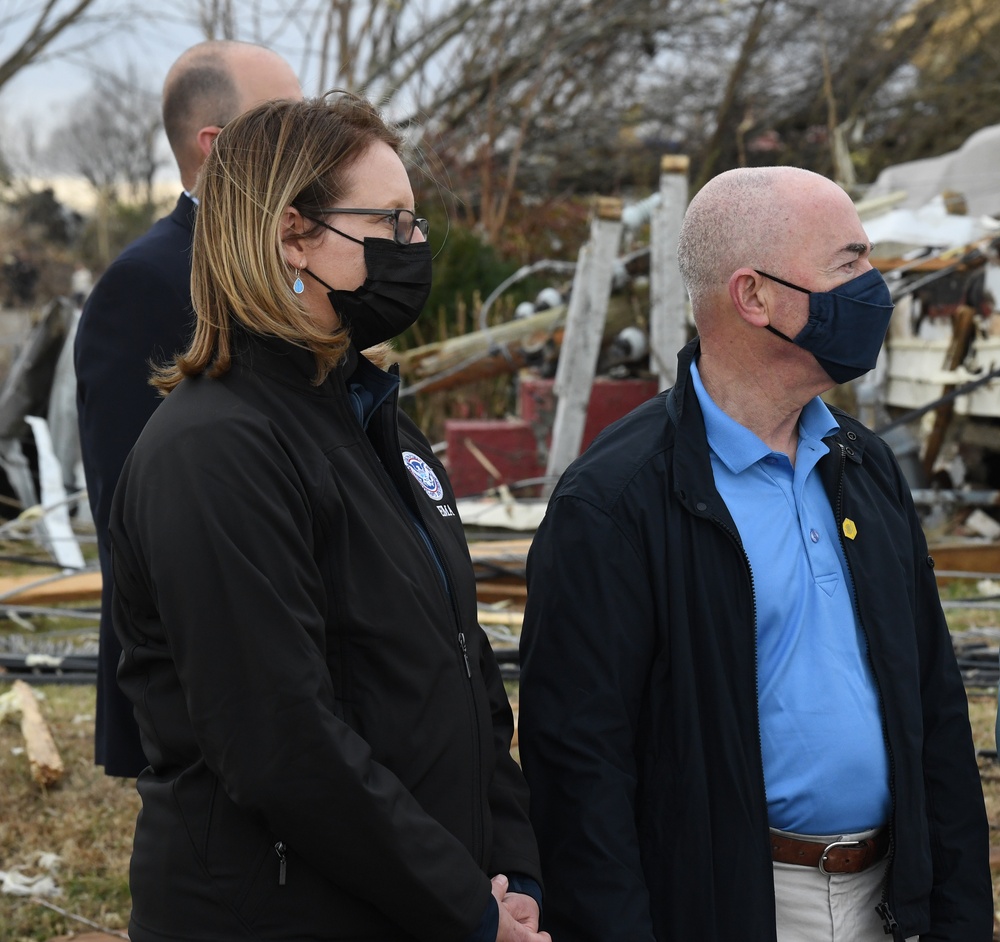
(512, 619)
(496, 591)
(937, 263)
(965, 556)
(43, 756)
(500, 553)
(43, 588)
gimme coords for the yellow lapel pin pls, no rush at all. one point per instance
(850, 530)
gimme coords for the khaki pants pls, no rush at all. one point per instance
(839, 907)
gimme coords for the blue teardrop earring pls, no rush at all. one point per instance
(297, 285)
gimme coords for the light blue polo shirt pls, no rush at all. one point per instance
(826, 769)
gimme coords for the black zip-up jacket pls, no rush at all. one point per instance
(326, 725)
(638, 726)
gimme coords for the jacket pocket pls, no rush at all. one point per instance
(237, 852)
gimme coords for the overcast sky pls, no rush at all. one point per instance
(41, 96)
(45, 91)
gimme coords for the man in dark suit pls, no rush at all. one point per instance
(139, 314)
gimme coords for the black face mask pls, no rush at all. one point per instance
(392, 296)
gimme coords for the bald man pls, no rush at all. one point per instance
(140, 313)
(741, 717)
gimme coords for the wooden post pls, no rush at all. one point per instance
(963, 329)
(667, 297)
(588, 305)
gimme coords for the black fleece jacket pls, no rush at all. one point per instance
(327, 729)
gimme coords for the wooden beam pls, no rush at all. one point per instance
(963, 328)
(494, 591)
(43, 588)
(965, 556)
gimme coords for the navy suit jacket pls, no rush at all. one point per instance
(138, 314)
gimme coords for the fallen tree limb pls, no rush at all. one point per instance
(43, 757)
(502, 349)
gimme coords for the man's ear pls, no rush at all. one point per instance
(206, 138)
(746, 291)
(293, 239)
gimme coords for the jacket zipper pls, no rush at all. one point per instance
(465, 653)
(463, 649)
(756, 667)
(423, 532)
(280, 849)
(434, 550)
(885, 913)
(437, 558)
(738, 543)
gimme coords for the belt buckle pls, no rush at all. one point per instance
(826, 851)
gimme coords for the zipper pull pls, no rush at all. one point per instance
(280, 849)
(465, 654)
(888, 920)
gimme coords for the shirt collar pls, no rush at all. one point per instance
(736, 446)
(368, 387)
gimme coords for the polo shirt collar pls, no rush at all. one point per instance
(736, 446)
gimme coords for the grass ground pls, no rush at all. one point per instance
(87, 819)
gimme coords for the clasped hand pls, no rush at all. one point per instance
(518, 914)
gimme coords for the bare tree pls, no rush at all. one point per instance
(35, 30)
(488, 85)
(544, 96)
(865, 51)
(784, 81)
(761, 11)
(550, 95)
(111, 139)
(216, 19)
(950, 89)
(111, 135)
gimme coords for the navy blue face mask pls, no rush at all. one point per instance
(846, 326)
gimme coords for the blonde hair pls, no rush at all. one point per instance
(279, 154)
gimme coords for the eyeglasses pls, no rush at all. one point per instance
(404, 222)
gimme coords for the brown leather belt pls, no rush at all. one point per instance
(836, 857)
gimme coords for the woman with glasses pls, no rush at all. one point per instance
(327, 729)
